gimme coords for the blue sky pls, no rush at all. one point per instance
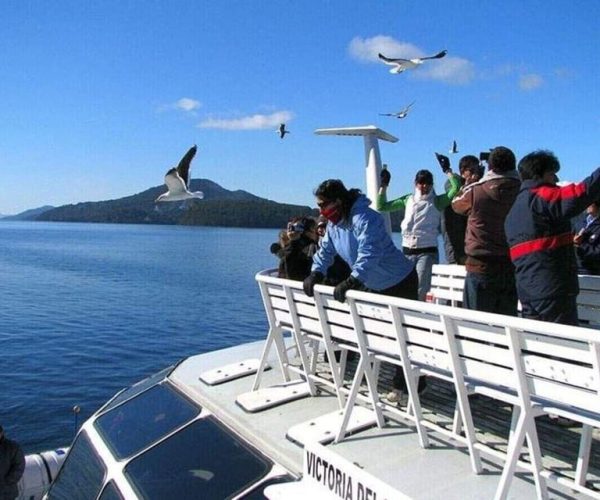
(99, 99)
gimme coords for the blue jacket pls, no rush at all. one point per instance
(365, 245)
(539, 234)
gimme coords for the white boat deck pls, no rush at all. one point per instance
(392, 454)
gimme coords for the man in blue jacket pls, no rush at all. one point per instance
(358, 235)
(539, 234)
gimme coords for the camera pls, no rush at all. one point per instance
(484, 156)
(295, 227)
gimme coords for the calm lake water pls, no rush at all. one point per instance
(87, 309)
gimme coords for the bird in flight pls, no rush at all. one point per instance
(399, 114)
(454, 148)
(177, 180)
(403, 64)
(282, 131)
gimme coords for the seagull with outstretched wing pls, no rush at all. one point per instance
(177, 180)
(399, 114)
(282, 131)
(401, 65)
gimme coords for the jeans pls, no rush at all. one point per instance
(491, 292)
(423, 264)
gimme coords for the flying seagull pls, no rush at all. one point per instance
(399, 114)
(402, 64)
(177, 180)
(282, 131)
(454, 148)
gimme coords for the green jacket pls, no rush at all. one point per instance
(441, 201)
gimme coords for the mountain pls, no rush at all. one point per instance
(220, 207)
(30, 214)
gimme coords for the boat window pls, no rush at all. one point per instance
(204, 460)
(134, 390)
(141, 421)
(110, 492)
(82, 474)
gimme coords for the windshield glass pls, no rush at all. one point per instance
(110, 492)
(204, 460)
(82, 474)
(143, 420)
(136, 389)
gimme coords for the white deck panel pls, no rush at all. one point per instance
(392, 454)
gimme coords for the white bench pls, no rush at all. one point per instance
(538, 367)
(448, 282)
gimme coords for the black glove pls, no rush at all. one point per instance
(385, 177)
(309, 283)
(444, 162)
(275, 247)
(350, 283)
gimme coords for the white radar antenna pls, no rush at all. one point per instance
(371, 135)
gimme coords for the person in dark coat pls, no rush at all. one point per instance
(539, 234)
(296, 256)
(12, 466)
(587, 242)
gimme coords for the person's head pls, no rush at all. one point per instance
(310, 228)
(469, 169)
(540, 165)
(424, 181)
(321, 226)
(334, 200)
(295, 228)
(593, 208)
(502, 160)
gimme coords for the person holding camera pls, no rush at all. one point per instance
(454, 226)
(490, 281)
(296, 254)
(422, 215)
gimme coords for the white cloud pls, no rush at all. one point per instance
(252, 122)
(530, 81)
(450, 69)
(187, 104)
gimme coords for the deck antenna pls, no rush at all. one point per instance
(371, 135)
(76, 410)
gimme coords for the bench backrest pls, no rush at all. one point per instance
(551, 362)
(283, 299)
(447, 284)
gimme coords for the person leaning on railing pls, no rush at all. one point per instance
(358, 235)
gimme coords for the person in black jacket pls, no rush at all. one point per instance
(587, 242)
(539, 234)
(12, 466)
(296, 254)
